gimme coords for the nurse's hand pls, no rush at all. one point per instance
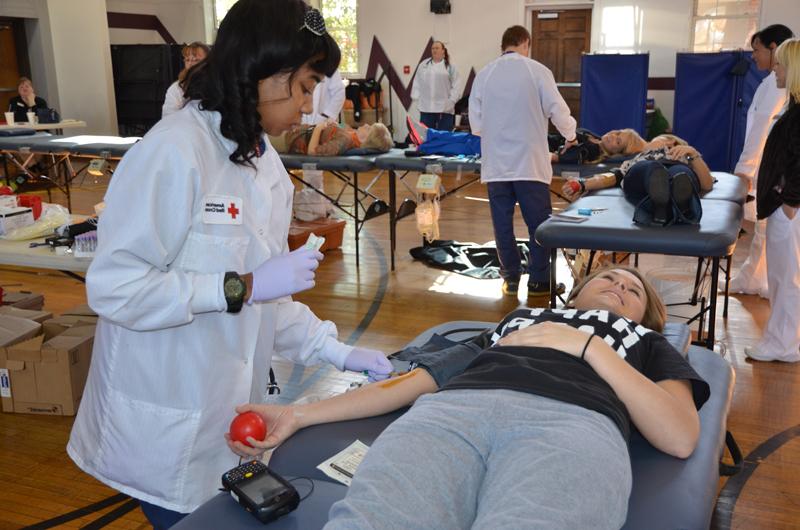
(285, 275)
(373, 362)
(282, 422)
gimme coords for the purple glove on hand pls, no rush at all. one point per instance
(374, 362)
(285, 275)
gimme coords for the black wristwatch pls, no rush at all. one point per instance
(234, 288)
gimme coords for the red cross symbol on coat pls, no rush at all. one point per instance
(233, 210)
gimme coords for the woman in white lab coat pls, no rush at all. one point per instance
(328, 100)
(768, 100)
(435, 89)
(174, 100)
(778, 201)
(196, 223)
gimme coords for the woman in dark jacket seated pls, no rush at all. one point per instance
(663, 183)
(27, 101)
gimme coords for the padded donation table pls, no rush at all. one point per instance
(667, 492)
(612, 229)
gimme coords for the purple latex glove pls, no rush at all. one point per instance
(285, 275)
(373, 362)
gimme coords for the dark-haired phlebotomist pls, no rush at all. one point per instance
(192, 276)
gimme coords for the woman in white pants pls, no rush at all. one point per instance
(778, 197)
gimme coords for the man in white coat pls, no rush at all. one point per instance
(511, 101)
(328, 100)
(767, 102)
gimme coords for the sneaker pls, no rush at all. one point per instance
(511, 286)
(751, 352)
(659, 192)
(543, 289)
(682, 191)
(414, 132)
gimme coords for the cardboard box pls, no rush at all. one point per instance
(48, 372)
(82, 310)
(12, 331)
(30, 314)
(331, 229)
(23, 300)
(13, 218)
(8, 201)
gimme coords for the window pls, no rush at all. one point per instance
(724, 24)
(221, 8)
(341, 20)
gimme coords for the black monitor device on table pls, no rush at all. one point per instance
(260, 491)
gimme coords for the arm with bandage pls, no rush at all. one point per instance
(369, 400)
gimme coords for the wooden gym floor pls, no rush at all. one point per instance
(381, 309)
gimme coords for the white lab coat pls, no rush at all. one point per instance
(767, 102)
(169, 364)
(173, 100)
(328, 100)
(511, 100)
(766, 105)
(435, 87)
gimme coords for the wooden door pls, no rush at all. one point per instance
(559, 38)
(9, 63)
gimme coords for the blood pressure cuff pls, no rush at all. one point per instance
(443, 358)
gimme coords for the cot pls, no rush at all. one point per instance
(667, 492)
(613, 229)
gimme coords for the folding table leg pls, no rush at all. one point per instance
(392, 215)
(727, 284)
(553, 286)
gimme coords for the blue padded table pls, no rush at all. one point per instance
(108, 147)
(614, 230)
(395, 161)
(346, 169)
(667, 492)
(22, 151)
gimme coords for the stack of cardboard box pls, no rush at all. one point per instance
(44, 361)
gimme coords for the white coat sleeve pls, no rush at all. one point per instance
(173, 100)
(144, 226)
(454, 95)
(334, 100)
(769, 101)
(303, 338)
(554, 106)
(475, 111)
(415, 83)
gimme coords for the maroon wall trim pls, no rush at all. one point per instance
(137, 21)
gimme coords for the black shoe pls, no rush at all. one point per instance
(659, 193)
(511, 286)
(543, 288)
(682, 191)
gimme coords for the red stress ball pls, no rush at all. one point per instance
(575, 185)
(248, 424)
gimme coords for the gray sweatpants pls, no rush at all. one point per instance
(491, 459)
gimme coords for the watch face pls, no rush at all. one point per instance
(234, 288)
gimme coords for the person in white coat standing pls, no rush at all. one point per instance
(767, 102)
(779, 203)
(328, 100)
(174, 100)
(512, 99)
(435, 89)
(195, 225)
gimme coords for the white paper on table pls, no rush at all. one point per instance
(342, 466)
